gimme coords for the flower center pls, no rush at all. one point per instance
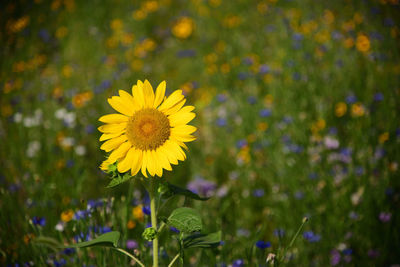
(148, 129)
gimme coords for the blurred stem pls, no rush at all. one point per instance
(152, 192)
(130, 256)
(305, 219)
(161, 228)
(173, 260)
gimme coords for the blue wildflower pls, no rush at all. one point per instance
(258, 192)
(264, 69)
(186, 53)
(378, 97)
(221, 122)
(252, 100)
(221, 98)
(105, 229)
(146, 210)
(263, 245)
(351, 98)
(347, 251)
(69, 251)
(279, 232)
(238, 263)
(243, 76)
(60, 263)
(41, 221)
(241, 143)
(173, 229)
(311, 237)
(44, 35)
(265, 112)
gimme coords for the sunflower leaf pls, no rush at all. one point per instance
(186, 220)
(171, 190)
(48, 242)
(202, 240)
(109, 239)
(119, 180)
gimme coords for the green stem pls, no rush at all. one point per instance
(130, 256)
(305, 219)
(161, 228)
(173, 260)
(152, 192)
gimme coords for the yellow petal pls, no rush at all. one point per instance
(148, 94)
(176, 150)
(180, 143)
(113, 118)
(185, 137)
(139, 103)
(119, 105)
(107, 136)
(137, 92)
(128, 100)
(166, 150)
(183, 129)
(160, 93)
(113, 143)
(163, 160)
(136, 162)
(151, 166)
(112, 128)
(181, 118)
(157, 161)
(175, 108)
(126, 163)
(120, 152)
(174, 98)
(104, 165)
(144, 164)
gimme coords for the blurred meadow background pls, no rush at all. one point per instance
(297, 107)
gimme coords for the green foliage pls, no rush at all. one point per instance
(109, 239)
(119, 179)
(202, 240)
(186, 220)
(49, 242)
(169, 190)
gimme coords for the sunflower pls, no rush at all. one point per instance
(149, 131)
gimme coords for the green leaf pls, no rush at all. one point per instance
(48, 242)
(109, 239)
(202, 240)
(186, 220)
(171, 190)
(119, 180)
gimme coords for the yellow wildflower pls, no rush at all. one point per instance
(383, 137)
(131, 224)
(183, 28)
(357, 110)
(67, 215)
(340, 109)
(137, 212)
(363, 44)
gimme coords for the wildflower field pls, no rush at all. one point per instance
(291, 156)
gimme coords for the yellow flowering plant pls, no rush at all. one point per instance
(143, 139)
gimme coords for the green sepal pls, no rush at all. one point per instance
(119, 179)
